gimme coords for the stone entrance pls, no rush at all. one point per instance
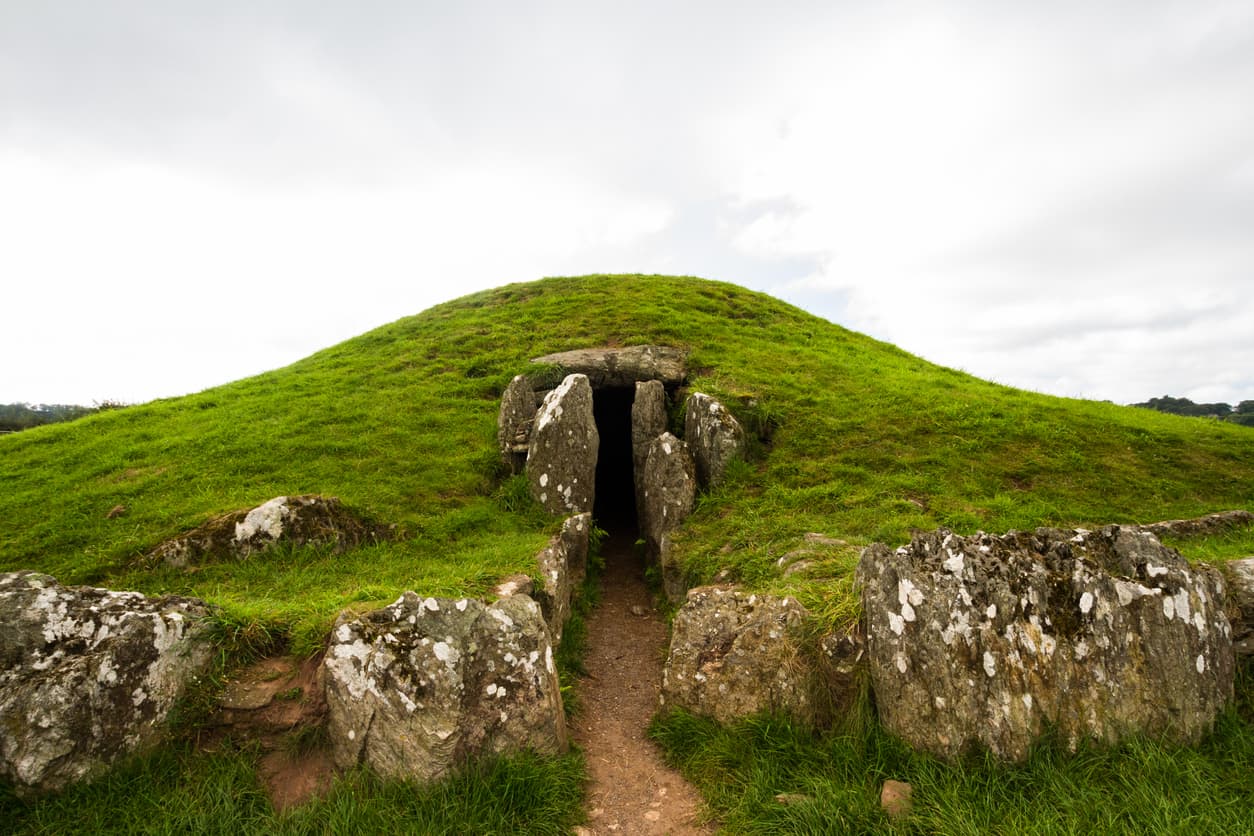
(599, 441)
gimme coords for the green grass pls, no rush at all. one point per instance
(1142, 786)
(851, 437)
(177, 791)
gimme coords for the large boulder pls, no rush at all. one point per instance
(562, 457)
(714, 436)
(421, 686)
(988, 641)
(514, 422)
(309, 520)
(88, 676)
(622, 368)
(668, 491)
(1239, 575)
(563, 565)
(648, 421)
(734, 654)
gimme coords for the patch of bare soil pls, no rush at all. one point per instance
(633, 791)
(272, 703)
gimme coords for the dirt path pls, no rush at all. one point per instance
(633, 791)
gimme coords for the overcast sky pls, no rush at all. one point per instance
(1057, 196)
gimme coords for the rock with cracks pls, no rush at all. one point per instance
(648, 421)
(988, 641)
(514, 421)
(668, 492)
(714, 436)
(88, 676)
(562, 458)
(421, 686)
(309, 520)
(734, 654)
(563, 565)
(622, 368)
(1239, 575)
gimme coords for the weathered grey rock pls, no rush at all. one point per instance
(986, 641)
(87, 675)
(648, 421)
(300, 520)
(514, 422)
(421, 686)
(1209, 524)
(1239, 575)
(563, 565)
(734, 654)
(714, 436)
(670, 487)
(562, 458)
(622, 367)
(668, 491)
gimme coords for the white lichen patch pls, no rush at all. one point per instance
(1201, 663)
(990, 664)
(267, 519)
(1086, 603)
(896, 623)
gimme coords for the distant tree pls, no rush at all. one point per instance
(1184, 406)
(23, 416)
(1245, 408)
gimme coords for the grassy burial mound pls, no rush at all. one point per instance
(849, 437)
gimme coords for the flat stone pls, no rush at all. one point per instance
(622, 367)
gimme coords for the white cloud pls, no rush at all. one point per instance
(1055, 196)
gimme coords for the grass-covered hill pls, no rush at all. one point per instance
(859, 440)
(852, 438)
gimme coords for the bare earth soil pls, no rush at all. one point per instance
(632, 790)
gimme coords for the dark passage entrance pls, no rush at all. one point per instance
(615, 508)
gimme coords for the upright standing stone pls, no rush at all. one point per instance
(562, 457)
(988, 641)
(514, 421)
(669, 490)
(648, 421)
(714, 436)
(563, 565)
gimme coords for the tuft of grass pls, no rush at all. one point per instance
(177, 791)
(834, 780)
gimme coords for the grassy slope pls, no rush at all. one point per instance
(399, 422)
(868, 442)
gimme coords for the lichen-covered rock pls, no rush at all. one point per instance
(648, 421)
(563, 565)
(562, 458)
(514, 422)
(88, 675)
(668, 493)
(987, 641)
(621, 368)
(301, 520)
(1196, 526)
(1239, 575)
(734, 654)
(421, 686)
(714, 436)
